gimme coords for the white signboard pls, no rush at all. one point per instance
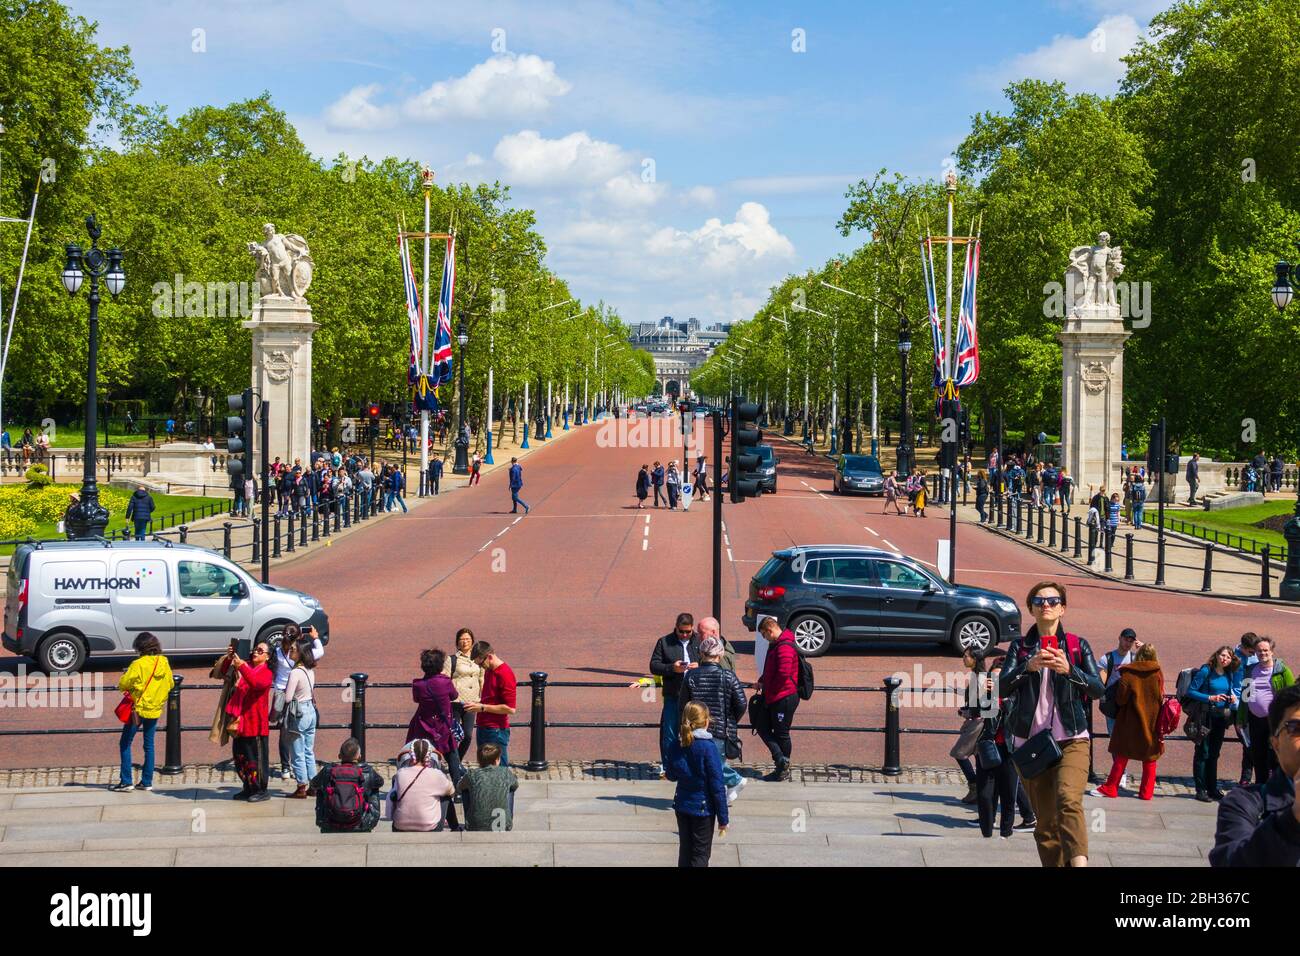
(942, 559)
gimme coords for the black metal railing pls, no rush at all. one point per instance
(358, 686)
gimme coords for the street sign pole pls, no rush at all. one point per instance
(717, 514)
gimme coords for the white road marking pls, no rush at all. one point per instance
(647, 519)
(645, 543)
(928, 564)
(503, 531)
(647, 532)
(486, 543)
(729, 557)
(876, 533)
(521, 518)
(1234, 603)
(726, 539)
(1282, 610)
(891, 545)
(804, 483)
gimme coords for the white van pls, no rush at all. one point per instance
(66, 601)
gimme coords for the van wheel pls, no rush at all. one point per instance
(61, 654)
(972, 633)
(812, 634)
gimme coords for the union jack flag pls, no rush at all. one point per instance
(413, 315)
(968, 343)
(936, 330)
(440, 362)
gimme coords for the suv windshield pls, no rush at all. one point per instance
(765, 453)
(861, 463)
(768, 571)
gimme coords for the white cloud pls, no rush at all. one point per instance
(631, 191)
(1090, 63)
(528, 158)
(703, 195)
(725, 248)
(502, 86)
(354, 110)
(473, 159)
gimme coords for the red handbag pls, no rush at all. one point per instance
(125, 708)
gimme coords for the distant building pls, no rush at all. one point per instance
(678, 348)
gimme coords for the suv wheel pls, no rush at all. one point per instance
(61, 654)
(812, 634)
(972, 633)
(271, 634)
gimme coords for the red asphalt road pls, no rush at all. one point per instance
(581, 589)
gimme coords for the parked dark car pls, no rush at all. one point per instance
(832, 593)
(767, 462)
(855, 473)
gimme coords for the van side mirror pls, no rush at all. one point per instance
(237, 590)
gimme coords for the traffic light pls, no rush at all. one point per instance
(745, 438)
(1155, 449)
(238, 429)
(372, 411)
(949, 433)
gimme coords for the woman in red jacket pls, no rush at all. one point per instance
(247, 717)
(779, 686)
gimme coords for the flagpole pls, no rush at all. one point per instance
(951, 185)
(427, 180)
(18, 288)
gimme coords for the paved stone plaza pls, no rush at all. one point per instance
(586, 822)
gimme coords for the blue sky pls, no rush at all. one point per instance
(682, 157)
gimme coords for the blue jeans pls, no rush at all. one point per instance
(516, 501)
(148, 725)
(668, 720)
(729, 777)
(495, 735)
(302, 746)
(394, 496)
(1138, 508)
(141, 526)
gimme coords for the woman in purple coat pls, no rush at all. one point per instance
(433, 694)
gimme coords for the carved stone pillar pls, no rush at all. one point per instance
(1092, 394)
(282, 334)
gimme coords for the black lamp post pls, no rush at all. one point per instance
(88, 518)
(1290, 587)
(905, 424)
(461, 466)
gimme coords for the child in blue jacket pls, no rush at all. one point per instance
(701, 796)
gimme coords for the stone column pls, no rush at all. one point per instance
(1092, 394)
(282, 333)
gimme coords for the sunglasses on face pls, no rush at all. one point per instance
(1047, 601)
(684, 630)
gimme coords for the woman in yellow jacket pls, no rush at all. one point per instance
(148, 680)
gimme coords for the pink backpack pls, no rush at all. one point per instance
(1167, 720)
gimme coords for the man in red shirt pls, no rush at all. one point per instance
(497, 700)
(779, 686)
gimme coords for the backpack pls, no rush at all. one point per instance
(1167, 720)
(1184, 683)
(805, 682)
(345, 796)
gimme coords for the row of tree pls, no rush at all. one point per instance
(183, 198)
(1193, 167)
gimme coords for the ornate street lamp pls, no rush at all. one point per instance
(905, 424)
(1290, 587)
(461, 465)
(88, 518)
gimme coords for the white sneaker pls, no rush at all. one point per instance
(1123, 782)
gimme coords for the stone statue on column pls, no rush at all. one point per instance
(1092, 375)
(282, 329)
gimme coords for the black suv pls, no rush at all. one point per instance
(767, 462)
(826, 593)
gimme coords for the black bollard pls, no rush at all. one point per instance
(1128, 557)
(891, 766)
(1265, 581)
(537, 723)
(1078, 552)
(275, 549)
(185, 533)
(1160, 560)
(302, 531)
(339, 506)
(288, 541)
(257, 540)
(358, 728)
(1209, 567)
(315, 524)
(225, 538)
(1110, 545)
(325, 532)
(1065, 533)
(1051, 517)
(1040, 524)
(172, 756)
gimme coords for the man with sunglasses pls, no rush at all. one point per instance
(1048, 674)
(1260, 825)
(675, 653)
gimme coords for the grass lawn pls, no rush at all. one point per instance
(75, 436)
(164, 507)
(1234, 522)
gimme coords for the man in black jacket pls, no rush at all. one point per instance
(1193, 477)
(1260, 826)
(1049, 660)
(139, 510)
(673, 656)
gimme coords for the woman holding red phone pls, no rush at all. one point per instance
(147, 682)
